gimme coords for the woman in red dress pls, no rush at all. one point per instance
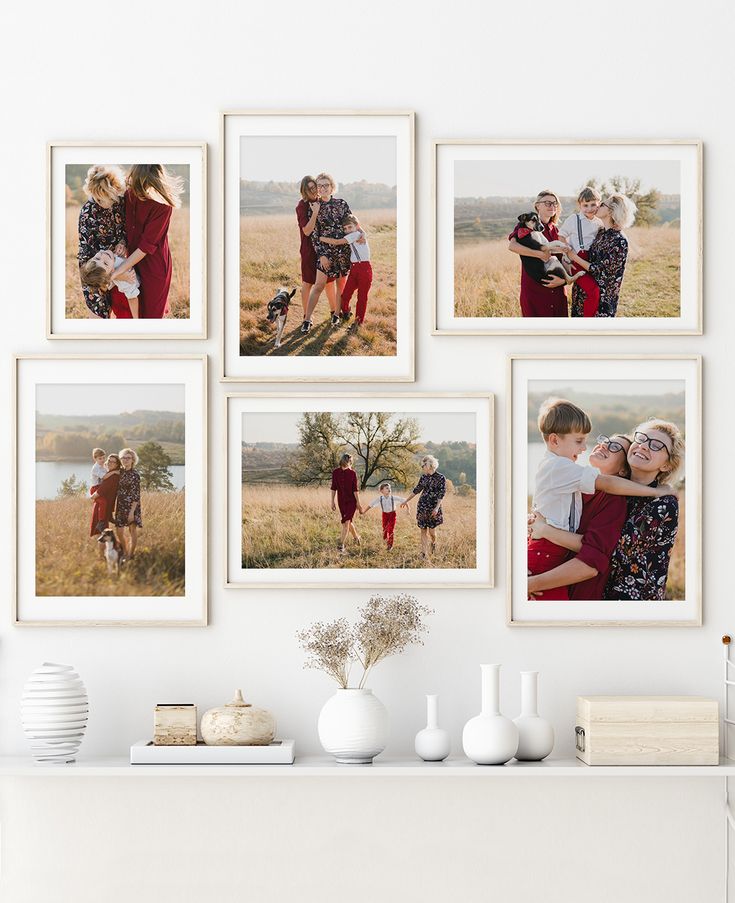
(151, 195)
(346, 494)
(104, 496)
(549, 299)
(307, 213)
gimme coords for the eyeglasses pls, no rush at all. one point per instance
(549, 203)
(603, 204)
(654, 444)
(611, 444)
(323, 185)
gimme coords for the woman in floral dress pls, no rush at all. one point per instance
(102, 228)
(640, 563)
(607, 256)
(307, 213)
(128, 517)
(432, 487)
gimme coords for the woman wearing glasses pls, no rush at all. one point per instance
(607, 256)
(307, 212)
(549, 299)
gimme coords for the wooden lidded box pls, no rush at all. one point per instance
(648, 730)
(175, 724)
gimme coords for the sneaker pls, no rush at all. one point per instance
(342, 550)
(305, 327)
(336, 320)
(346, 315)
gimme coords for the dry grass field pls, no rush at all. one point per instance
(487, 277)
(294, 527)
(67, 562)
(178, 239)
(269, 259)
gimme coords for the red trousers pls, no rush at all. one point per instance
(389, 525)
(544, 556)
(360, 280)
(590, 288)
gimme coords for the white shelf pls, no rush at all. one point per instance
(322, 767)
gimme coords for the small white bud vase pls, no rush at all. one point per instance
(536, 734)
(54, 712)
(432, 743)
(353, 727)
(490, 738)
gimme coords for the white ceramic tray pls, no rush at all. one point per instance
(279, 752)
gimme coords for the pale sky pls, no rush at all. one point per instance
(283, 427)
(525, 178)
(87, 401)
(608, 386)
(347, 158)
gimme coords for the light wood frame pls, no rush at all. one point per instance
(510, 330)
(411, 376)
(696, 485)
(303, 396)
(172, 334)
(202, 621)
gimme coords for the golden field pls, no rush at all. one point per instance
(178, 239)
(67, 562)
(269, 260)
(294, 527)
(487, 277)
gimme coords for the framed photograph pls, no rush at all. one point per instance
(318, 246)
(568, 237)
(604, 520)
(359, 490)
(110, 491)
(127, 240)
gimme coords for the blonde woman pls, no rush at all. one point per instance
(101, 228)
(151, 196)
(432, 487)
(128, 517)
(307, 212)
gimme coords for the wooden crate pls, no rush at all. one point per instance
(647, 730)
(175, 724)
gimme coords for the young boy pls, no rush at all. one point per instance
(96, 273)
(361, 271)
(579, 231)
(388, 503)
(560, 482)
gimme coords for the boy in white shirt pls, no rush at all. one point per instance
(388, 503)
(579, 230)
(99, 471)
(560, 482)
(97, 272)
(361, 271)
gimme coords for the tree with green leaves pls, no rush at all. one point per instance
(71, 488)
(646, 204)
(153, 467)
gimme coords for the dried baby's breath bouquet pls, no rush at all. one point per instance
(387, 625)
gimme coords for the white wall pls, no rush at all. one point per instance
(165, 71)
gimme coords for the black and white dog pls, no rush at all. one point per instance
(113, 551)
(530, 233)
(278, 311)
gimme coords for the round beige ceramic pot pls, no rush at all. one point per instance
(238, 724)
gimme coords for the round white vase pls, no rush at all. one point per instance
(536, 735)
(490, 738)
(353, 726)
(432, 744)
(54, 712)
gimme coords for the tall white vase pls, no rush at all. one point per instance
(353, 727)
(536, 734)
(54, 711)
(490, 738)
(432, 744)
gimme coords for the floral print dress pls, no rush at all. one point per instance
(329, 224)
(432, 488)
(128, 494)
(100, 229)
(607, 256)
(640, 563)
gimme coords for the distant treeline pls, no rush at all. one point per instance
(76, 174)
(257, 198)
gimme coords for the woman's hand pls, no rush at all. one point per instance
(435, 512)
(334, 507)
(404, 505)
(324, 262)
(532, 591)
(539, 527)
(553, 281)
(315, 207)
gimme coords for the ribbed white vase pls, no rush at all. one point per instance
(353, 727)
(54, 711)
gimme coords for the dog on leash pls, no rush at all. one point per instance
(113, 551)
(278, 311)
(530, 233)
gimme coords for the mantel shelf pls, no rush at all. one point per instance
(322, 767)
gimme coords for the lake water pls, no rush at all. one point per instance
(50, 475)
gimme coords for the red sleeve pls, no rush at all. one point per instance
(603, 532)
(354, 480)
(303, 215)
(155, 228)
(107, 489)
(334, 486)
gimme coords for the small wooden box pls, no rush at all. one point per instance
(648, 730)
(175, 725)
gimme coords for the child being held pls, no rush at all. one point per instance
(560, 482)
(99, 471)
(360, 277)
(579, 230)
(388, 503)
(97, 272)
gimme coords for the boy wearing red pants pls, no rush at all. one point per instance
(579, 231)
(361, 272)
(388, 503)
